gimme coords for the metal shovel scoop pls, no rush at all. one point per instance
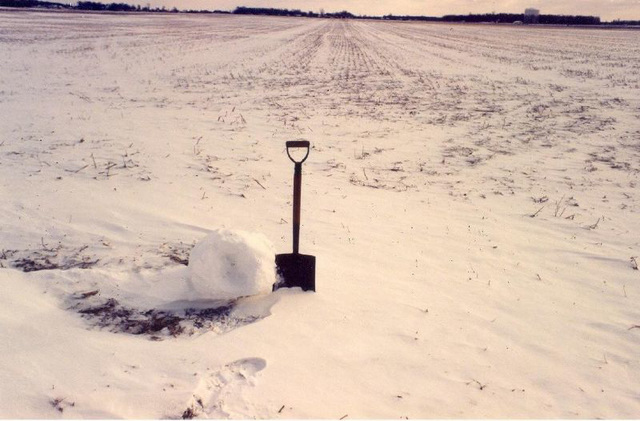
(295, 269)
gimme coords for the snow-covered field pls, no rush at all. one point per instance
(471, 197)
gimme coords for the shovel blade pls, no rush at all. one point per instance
(296, 270)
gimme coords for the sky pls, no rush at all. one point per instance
(606, 9)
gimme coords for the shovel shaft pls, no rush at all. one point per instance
(297, 193)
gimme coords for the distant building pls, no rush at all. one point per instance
(531, 15)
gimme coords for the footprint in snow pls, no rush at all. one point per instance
(219, 393)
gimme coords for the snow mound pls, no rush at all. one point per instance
(229, 264)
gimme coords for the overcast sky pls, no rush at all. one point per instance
(606, 9)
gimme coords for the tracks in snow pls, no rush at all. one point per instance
(219, 392)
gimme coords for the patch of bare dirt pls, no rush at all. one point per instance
(156, 324)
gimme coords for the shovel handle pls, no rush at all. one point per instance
(298, 144)
(297, 189)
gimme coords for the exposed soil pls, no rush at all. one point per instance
(60, 257)
(111, 315)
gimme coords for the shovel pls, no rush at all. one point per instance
(295, 269)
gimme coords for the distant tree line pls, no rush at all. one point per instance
(31, 3)
(343, 15)
(488, 17)
(568, 20)
(271, 12)
(520, 17)
(82, 5)
(472, 18)
(112, 7)
(118, 7)
(407, 17)
(624, 22)
(286, 12)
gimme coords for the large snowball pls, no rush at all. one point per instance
(230, 264)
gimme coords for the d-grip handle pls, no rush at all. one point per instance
(298, 144)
